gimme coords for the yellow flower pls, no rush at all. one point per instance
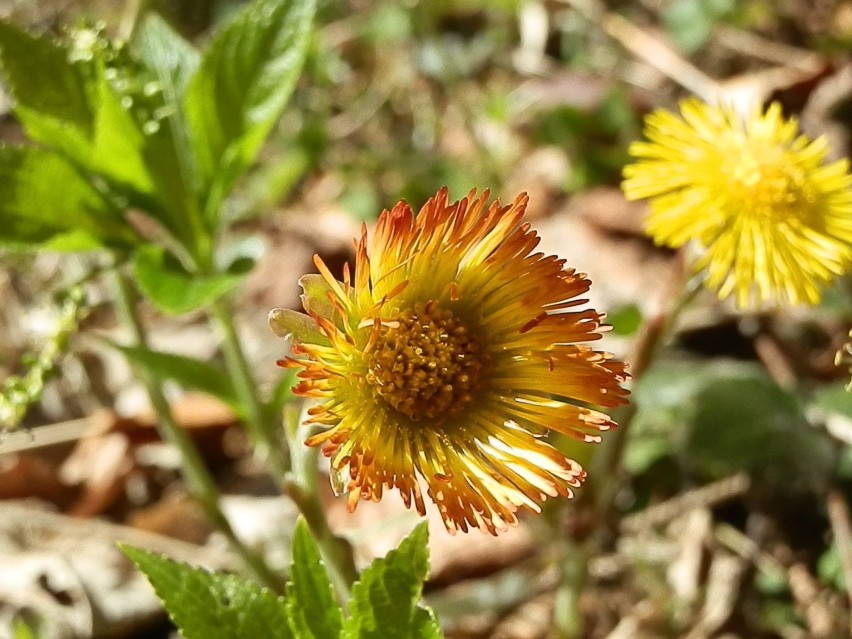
(772, 220)
(448, 356)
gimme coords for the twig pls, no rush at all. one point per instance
(806, 590)
(755, 45)
(702, 497)
(43, 436)
(652, 50)
(808, 594)
(775, 361)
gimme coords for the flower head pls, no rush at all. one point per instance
(773, 220)
(447, 356)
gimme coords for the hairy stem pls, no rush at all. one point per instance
(265, 435)
(198, 480)
(296, 474)
(303, 489)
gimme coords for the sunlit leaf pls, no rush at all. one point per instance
(172, 289)
(59, 112)
(384, 602)
(207, 605)
(45, 201)
(314, 612)
(244, 80)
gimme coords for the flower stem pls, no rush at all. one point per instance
(297, 475)
(606, 467)
(198, 480)
(303, 489)
(268, 444)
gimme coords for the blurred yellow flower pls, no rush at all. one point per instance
(448, 356)
(771, 219)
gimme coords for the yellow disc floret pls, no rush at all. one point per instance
(426, 363)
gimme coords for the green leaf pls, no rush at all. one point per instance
(169, 151)
(834, 398)
(384, 601)
(729, 416)
(315, 291)
(167, 54)
(175, 291)
(425, 625)
(243, 83)
(829, 568)
(51, 94)
(691, 22)
(187, 371)
(21, 630)
(299, 327)
(723, 417)
(77, 112)
(118, 146)
(207, 605)
(45, 201)
(314, 612)
(625, 320)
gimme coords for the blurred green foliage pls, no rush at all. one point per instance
(715, 418)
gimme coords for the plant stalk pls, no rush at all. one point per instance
(265, 436)
(303, 489)
(297, 475)
(198, 480)
(606, 467)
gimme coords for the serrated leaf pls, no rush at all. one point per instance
(187, 371)
(314, 612)
(58, 112)
(426, 625)
(384, 601)
(77, 112)
(175, 291)
(44, 200)
(245, 78)
(207, 605)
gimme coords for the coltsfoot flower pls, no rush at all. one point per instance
(445, 359)
(771, 219)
